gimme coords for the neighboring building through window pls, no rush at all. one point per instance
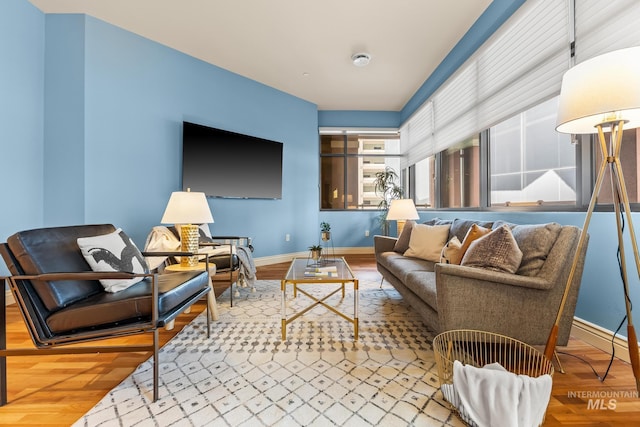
(460, 175)
(349, 162)
(424, 183)
(531, 163)
(629, 160)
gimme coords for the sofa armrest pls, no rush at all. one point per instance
(383, 243)
(521, 307)
(459, 273)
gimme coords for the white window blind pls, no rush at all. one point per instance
(604, 25)
(416, 136)
(520, 66)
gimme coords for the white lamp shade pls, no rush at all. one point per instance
(601, 90)
(402, 209)
(186, 207)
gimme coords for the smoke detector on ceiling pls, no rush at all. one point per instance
(360, 59)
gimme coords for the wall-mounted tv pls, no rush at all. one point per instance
(227, 164)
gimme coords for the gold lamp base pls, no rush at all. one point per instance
(189, 237)
(401, 223)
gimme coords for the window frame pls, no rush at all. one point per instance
(345, 133)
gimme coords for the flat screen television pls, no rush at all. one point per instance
(227, 164)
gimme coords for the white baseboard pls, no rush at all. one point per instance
(276, 259)
(600, 338)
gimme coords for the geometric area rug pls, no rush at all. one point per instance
(245, 375)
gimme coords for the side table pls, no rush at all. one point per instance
(211, 296)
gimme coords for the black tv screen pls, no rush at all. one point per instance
(227, 164)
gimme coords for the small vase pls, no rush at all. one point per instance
(325, 236)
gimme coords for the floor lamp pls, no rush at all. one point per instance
(602, 95)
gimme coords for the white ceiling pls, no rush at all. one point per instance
(303, 47)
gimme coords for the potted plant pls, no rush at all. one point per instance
(316, 252)
(325, 231)
(387, 189)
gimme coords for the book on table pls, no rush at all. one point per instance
(329, 271)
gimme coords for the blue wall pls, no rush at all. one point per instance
(120, 134)
(97, 139)
(22, 46)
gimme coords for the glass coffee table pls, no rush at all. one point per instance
(336, 271)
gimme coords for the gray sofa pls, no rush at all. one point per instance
(523, 305)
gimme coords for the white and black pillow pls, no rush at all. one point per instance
(113, 252)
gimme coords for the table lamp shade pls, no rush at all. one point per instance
(601, 90)
(188, 209)
(401, 210)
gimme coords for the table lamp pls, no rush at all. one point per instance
(401, 210)
(188, 209)
(599, 95)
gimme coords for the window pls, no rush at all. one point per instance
(629, 159)
(460, 175)
(424, 183)
(531, 163)
(349, 162)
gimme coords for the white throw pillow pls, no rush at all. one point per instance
(426, 241)
(113, 252)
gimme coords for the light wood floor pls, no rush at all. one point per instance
(57, 390)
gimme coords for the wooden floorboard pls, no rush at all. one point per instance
(57, 390)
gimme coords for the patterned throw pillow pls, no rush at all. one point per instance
(451, 252)
(426, 241)
(497, 251)
(113, 252)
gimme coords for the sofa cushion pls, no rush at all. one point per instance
(423, 284)
(535, 241)
(113, 252)
(426, 241)
(400, 265)
(402, 243)
(497, 251)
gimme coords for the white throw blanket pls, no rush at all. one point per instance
(161, 239)
(247, 267)
(493, 397)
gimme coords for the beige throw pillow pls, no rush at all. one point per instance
(497, 251)
(426, 241)
(451, 252)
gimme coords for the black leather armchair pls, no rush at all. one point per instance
(227, 262)
(63, 303)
